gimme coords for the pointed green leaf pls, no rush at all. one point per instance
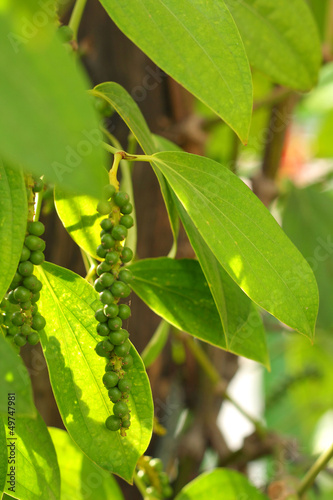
(81, 479)
(127, 108)
(13, 222)
(76, 372)
(3, 456)
(199, 45)
(47, 124)
(37, 475)
(210, 485)
(177, 291)
(244, 237)
(241, 323)
(80, 218)
(14, 379)
(281, 39)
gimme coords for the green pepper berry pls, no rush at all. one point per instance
(118, 337)
(26, 305)
(106, 279)
(125, 275)
(102, 329)
(126, 254)
(34, 243)
(121, 198)
(124, 311)
(100, 316)
(113, 423)
(124, 385)
(16, 280)
(25, 254)
(112, 258)
(36, 228)
(13, 330)
(25, 329)
(111, 311)
(127, 362)
(110, 379)
(37, 257)
(108, 191)
(104, 207)
(22, 294)
(127, 221)
(106, 224)
(120, 409)
(103, 267)
(11, 298)
(34, 309)
(35, 297)
(38, 185)
(106, 297)
(100, 350)
(127, 209)
(65, 33)
(32, 283)
(156, 464)
(38, 322)
(98, 286)
(26, 268)
(107, 345)
(123, 349)
(33, 338)
(126, 424)
(119, 232)
(114, 394)
(115, 323)
(107, 241)
(101, 251)
(120, 289)
(20, 340)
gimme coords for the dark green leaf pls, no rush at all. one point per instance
(37, 473)
(47, 122)
(14, 379)
(199, 45)
(76, 371)
(230, 483)
(81, 479)
(281, 39)
(13, 207)
(244, 237)
(308, 223)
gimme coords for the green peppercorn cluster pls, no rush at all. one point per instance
(20, 316)
(112, 285)
(150, 472)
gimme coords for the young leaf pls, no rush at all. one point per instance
(13, 207)
(76, 372)
(281, 39)
(14, 379)
(3, 456)
(199, 45)
(47, 122)
(80, 218)
(244, 237)
(242, 325)
(210, 485)
(36, 468)
(81, 479)
(177, 291)
(127, 108)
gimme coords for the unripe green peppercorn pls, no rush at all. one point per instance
(113, 423)
(111, 311)
(36, 228)
(22, 294)
(20, 340)
(102, 329)
(114, 394)
(118, 337)
(120, 289)
(98, 286)
(100, 350)
(123, 349)
(37, 257)
(115, 323)
(25, 254)
(101, 251)
(38, 322)
(127, 362)
(34, 243)
(33, 338)
(127, 221)
(110, 379)
(107, 241)
(112, 258)
(124, 385)
(108, 191)
(100, 316)
(26, 268)
(104, 207)
(32, 283)
(106, 279)
(126, 254)
(106, 297)
(121, 198)
(125, 275)
(124, 311)
(103, 267)
(119, 232)
(127, 209)
(120, 409)
(106, 224)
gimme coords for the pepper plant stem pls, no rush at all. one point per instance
(317, 467)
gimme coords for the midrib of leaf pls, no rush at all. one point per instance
(208, 203)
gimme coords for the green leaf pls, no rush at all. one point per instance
(308, 223)
(127, 108)
(199, 45)
(156, 344)
(48, 124)
(76, 371)
(177, 291)
(281, 39)
(210, 485)
(244, 237)
(81, 479)
(37, 475)
(3, 456)
(14, 379)
(80, 218)
(243, 329)
(13, 222)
